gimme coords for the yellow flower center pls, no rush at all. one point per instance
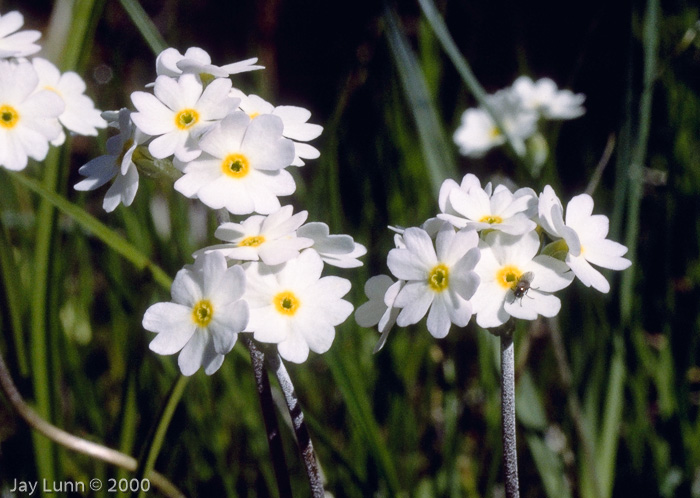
(235, 165)
(253, 241)
(186, 118)
(495, 132)
(439, 278)
(508, 276)
(286, 303)
(202, 313)
(491, 219)
(8, 116)
(253, 115)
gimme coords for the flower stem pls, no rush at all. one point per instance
(80, 445)
(302, 433)
(510, 452)
(267, 405)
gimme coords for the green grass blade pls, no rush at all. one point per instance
(97, 228)
(145, 26)
(636, 167)
(359, 406)
(437, 150)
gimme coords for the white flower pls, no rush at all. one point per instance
(28, 119)
(337, 250)
(180, 112)
(170, 62)
(79, 115)
(242, 166)
(205, 315)
(472, 206)
(543, 97)
(441, 280)
(295, 123)
(505, 261)
(291, 305)
(271, 239)
(20, 44)
(478, 133)
(584, 236)
(381, 291)
(117, 163)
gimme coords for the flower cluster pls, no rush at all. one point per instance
(486, 254)
(519, 109)
(37, 101)
(230, 150)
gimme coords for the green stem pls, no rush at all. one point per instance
(155, 440)
(145, 26)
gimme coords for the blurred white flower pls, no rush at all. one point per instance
(79, 115)
(439, 277)
(478, 133)
(205, 315)
(543, 97)
(505, 260)
(180, 112)
(242, 167)
(28, 118)
(271, 239)
(584, 236)
(15, 43)
(295, 123)
(117, 163)
(293, 306)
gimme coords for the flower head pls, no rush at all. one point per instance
(470, 205)
(293, 306)
(205, 315)
(515, 281)
(543, 97)
(438, 277)
(294, 120)
(170, 62)
(336, 250)
(180, 112)
(117, 163)
(28, 118)
(241, 168)
(271, 239)
(15, 43)
(79, 115)
(582, 238)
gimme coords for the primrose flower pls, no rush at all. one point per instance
(79, 115)
(28, 118)
(16, 44)
(381, 291)
(470, 205)
(336, 250)
(117, 163)
(583, 238)
(543, 97)
(478, 133)
(271, 239)
(293, 306)
(295, 123)
(170, 62)
(205, 315)
(439, 277)
(515, 281)
(180, 112)
(241, 168)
